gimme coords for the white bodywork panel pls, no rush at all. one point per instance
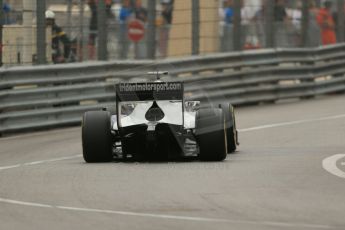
(114, 122)
(137, 116)
(172, 111)
(189, 120)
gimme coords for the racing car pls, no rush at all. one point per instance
(152, 120)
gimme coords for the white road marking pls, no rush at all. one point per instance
(330, 165)
(10, 167)
(25, 203)
(39, 162)
(21, 136)
(291, 123)
(171, 217)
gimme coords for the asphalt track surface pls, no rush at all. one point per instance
(287, 174)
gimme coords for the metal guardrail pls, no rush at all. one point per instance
(51, 96)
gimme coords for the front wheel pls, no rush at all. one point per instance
(96, 137)
(210, 134)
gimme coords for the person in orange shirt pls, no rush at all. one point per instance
(327, 25)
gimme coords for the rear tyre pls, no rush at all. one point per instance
(210, 134)
(230, 124)
(96, 137)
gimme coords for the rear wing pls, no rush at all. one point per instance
(149, 91)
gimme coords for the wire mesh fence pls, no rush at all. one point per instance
(87, 30)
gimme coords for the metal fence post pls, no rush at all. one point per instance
(340, 22)
(81, 42)
(28, 7)
(41, 32)
(102, 27)
(1, 27)
(305, 24)
(237, 38)
(195, 27)
(269, 23)
(151, 33)
(69, 17)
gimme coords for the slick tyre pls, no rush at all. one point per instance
(210, 134)
(230, 125)
(96, 137)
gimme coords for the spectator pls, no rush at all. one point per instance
(58, 35)
(249, 32)
(229, 12)
(6, 9)
(93, 8)
(227, 26)
(295, 32)
(280, 14)
(221, 12)
(296, 16)
(314, 32)
(326, 23)
(125, 14)
(141, 14)
(336, 21)
(125, 11)
(94, 24)
(140, 11)
(108, 5)
(167, 11)
(167, 15)
(93, 29)
(281, 27)
(247, 14)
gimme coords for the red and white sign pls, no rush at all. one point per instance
(136, 30)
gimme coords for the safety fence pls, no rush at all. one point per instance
(155, 29)
(57, 95)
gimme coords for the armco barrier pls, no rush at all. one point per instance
(51, 96)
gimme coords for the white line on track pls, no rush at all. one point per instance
(292, 123)
(171, 217)
(330, 165)
(150, 215)
(10, 167)
(58, 131)
(40, 162)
